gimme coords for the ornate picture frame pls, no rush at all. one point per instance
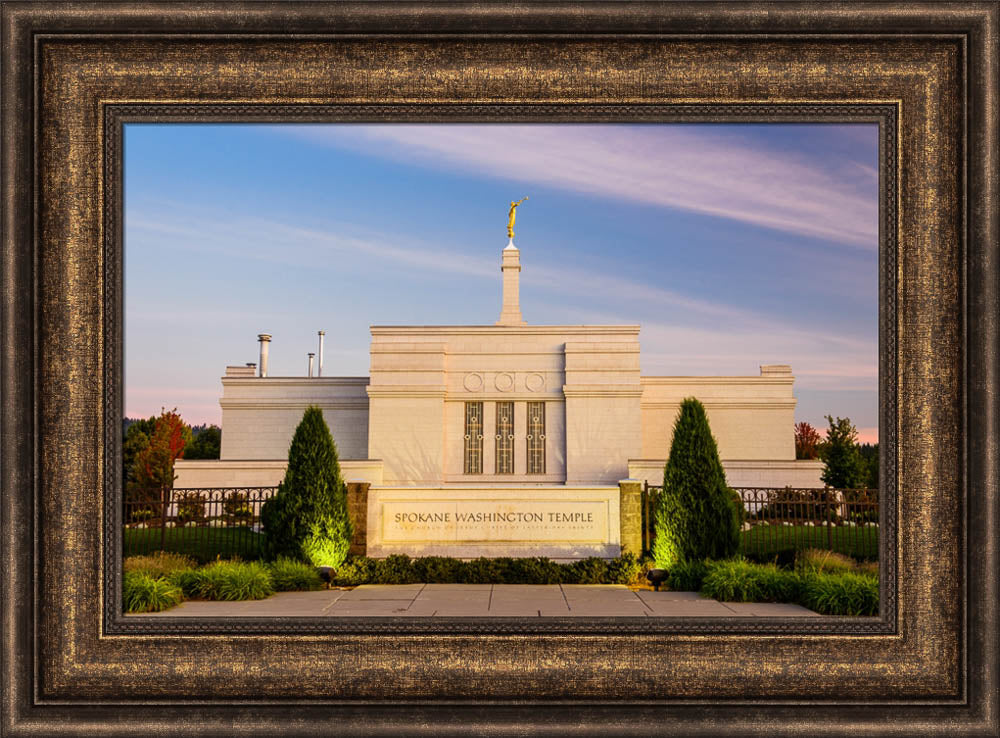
(74, 74)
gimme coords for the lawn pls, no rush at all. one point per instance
(201, 543)
(857, 542)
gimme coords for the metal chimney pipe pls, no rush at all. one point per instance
(320, 372)
(311, 357)
(265, 339)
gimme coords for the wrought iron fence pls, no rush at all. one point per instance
(780, 519)
(202, 523)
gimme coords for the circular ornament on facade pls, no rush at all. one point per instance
(504, 382)
(534, 382)
(473, 382)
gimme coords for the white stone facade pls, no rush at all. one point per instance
(405, 424)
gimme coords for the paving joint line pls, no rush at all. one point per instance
(643, 602)
(417, 595)
(565, 599)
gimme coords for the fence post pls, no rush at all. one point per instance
(630, 515)
(829, 523)
(163, 516)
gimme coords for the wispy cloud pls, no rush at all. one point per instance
(819, 359)
(702, 336)
(241, 237)
(248, 237)
(678, 167)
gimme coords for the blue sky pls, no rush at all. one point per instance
(731, 245)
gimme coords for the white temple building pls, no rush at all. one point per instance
(509, 405)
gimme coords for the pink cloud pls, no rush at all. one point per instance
(195, 405)
(868, 435)
(686, 168)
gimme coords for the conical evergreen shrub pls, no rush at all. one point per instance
(696, 515)
(307, 518)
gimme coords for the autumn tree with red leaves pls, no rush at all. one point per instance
(807, 441)
(153, 463)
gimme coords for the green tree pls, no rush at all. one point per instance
(869, 455)
(697, 514)
(206, 444)
(843, 467)
(136, 438)
(307, 517)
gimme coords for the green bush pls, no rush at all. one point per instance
(624, 570)
(190, 508)
(482, 571)
(819, 561)
(695, 517)
(738, 507)
(400, 569)
(395, 569)
(236, 507)
(532, 571)
(288, 575)
(142, 592)
(228, 580)
(870, 568)
(799, 505)
(586, 571)
(687, 576)
(159, 564)
(307, 517)
(840, 594)
(354, 571)
(783, 558)
(738, 580)
(328, 538)
(189, 581)
(438, 569)
(142, 514)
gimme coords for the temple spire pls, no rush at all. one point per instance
(510, 267)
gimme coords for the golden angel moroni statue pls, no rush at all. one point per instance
(510, 218)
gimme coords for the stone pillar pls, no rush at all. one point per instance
(630, 511)
(510, 310)
(357, 512)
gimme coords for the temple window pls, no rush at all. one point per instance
(473, 438)
(536, 438)
(505, 438)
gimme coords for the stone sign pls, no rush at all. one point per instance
(566, 522)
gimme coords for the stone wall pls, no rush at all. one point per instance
(221, 473)
(752, 418)
(357, 512)
(260, 415)
(631, 515)
(801, 473)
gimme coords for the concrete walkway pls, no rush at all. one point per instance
(483, 600)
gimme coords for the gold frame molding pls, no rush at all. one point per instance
(73, 72)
